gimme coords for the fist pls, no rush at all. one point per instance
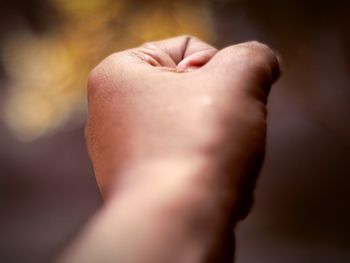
(180, 100)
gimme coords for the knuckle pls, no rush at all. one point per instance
(99, 76)
(187, 36)
(94, 80)
(147, 53)
(149, 45)
(257, 46)
(258, 58)
(184, 40)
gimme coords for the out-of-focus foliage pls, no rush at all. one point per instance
(48, 71)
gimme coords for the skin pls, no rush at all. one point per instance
(176, 135)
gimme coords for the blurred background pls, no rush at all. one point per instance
(47, 48)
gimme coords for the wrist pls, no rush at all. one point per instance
(180, 196)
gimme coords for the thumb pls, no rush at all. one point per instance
(249, 68)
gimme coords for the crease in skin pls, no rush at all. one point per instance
(176, 54)
(160, 55)
(154, 57)
(144, 57)
(196, 60)
(154, 60)
(186, 44)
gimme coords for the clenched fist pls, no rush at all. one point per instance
(176, 135)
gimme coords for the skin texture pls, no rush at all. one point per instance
(176, 135)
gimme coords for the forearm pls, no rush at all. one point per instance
(169, 213)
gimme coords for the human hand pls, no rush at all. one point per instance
(159, 102)
(177, 124)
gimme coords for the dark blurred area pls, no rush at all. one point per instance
(47, 188)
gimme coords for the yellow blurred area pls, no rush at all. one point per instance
(48, 72)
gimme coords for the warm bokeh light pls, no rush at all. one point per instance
(48, 71)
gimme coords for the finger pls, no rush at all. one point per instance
(182, 51)
(196, 60)
(250, 67)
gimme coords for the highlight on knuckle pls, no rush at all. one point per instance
(256, 57)
(94, 79)
(100, 75)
